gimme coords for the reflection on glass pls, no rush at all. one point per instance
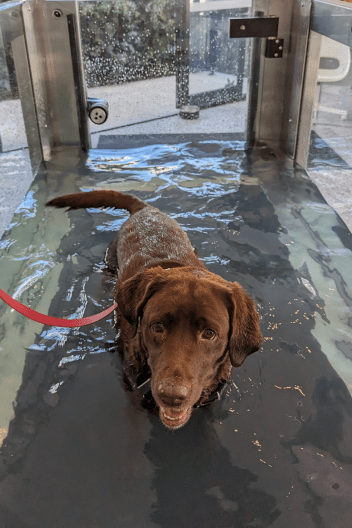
(127, 40)
(129, 58)
(216, 62)
(330, 153)
(333, 105)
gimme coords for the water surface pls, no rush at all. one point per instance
(276, 450)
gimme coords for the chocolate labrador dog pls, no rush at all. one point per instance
(186, 325)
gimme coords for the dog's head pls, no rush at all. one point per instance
(190, 322)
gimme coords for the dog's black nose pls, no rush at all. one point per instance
(173, 394)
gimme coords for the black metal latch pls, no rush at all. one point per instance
(259, 27)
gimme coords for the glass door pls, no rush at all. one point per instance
(325, 136)
(20, 150)
(147, 60)
(218, 66)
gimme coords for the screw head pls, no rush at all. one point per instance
(243, 27)
(57, 13)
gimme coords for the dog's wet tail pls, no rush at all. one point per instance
(84, 200)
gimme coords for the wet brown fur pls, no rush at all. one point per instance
(167, 303)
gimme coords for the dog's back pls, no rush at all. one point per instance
(147, 238)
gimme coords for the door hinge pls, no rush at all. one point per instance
(274, 48)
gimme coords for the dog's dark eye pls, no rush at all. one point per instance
(158, 327)
(208, 334)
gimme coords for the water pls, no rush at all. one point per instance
(276, 450)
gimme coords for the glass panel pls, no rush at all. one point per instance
(131, 60)
(330, 153)
(15, 166)
(12, 131)
(217, 63)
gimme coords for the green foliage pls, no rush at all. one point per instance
(128, 40)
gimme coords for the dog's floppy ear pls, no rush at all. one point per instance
(245, 336)
(133, 294)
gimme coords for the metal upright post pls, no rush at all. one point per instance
(53, 42)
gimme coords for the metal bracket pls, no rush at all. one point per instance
(274, 48)
(260, 27)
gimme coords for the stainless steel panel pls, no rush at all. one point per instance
(56, 65)
(273, 78)
(61, 82)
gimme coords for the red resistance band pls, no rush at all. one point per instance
(53, 321)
